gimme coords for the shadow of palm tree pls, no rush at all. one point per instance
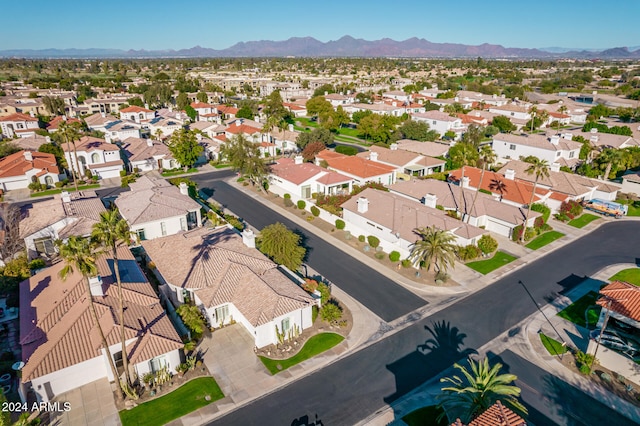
(446, 342)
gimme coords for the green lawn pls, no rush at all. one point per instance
(187, 398)
(59, 190)
(314, 346)
(634, 207)
(544, 239)
(179, 172)
(425, 416)
(222, 166)
(631, 276)
(584, 220)
(577, 310)
(553, 346)
(485, 266)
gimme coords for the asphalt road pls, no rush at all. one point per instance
(351, 389)
(382, 296)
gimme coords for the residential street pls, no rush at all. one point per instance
(351, 389)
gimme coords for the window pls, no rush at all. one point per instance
(285, 325)
(95, 157)
(140, 234)
(571, 154)
(163, 228)
(512, 147)
(222, 313)
(44, 245)
(558, 154)
(158, 363)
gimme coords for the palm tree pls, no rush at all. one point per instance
(477, 390)
(71, 133)
(78, 254)
(498, 186)
(487, 157)
(435, 247)
(109, 232)
(562, 110)
(538, 168)
(463, 154)
(532, 111)
(158, 135)
(617, 158)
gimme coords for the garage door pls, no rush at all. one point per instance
(498, 228)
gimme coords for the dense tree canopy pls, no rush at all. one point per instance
(185, 148)
(281, 245)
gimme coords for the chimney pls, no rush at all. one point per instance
(465, 181)
(394, 103)
(47, 139)
(555, 139)
(198, 137)
(373, 156)
(290, 127)
(430, 200)
(238, 121)
(170, 108)
(326, 93)
(510, 174)
(178, 116)
(555, 167)
(456, 99)
(298, 159)
(28, 156)
(146, 106)
(64, 118)
(441, 109)
(363, 205)
(594, 130)
(256, 119)
(95, 283)
(103, 114)
(32, 114)
(66, 198)
(249, 238)
(184, 188)
(149, 142)
(393, 147)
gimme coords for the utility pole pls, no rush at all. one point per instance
(604, 326)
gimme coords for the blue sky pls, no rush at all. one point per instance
(164, 24)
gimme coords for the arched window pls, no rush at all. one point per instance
(48, 180)
(95, 158)
(141, 116)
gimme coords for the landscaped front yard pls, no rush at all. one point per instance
(314, 346)
(552, 346)
(187, 398)
(584, 220)
(485, 266)
(584, 311)
(59, 190)
(178, 172)
(631, 275)
(544, 239)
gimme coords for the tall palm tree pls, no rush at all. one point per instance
(539, 168)
(435, 247)
(109, 232)
(158, 135)
(487, 157)
(479, 388)
(71, 133)
(613, 158)
(533, 111)
(562, 110)
(78, 254)
(498, 186)
(463, 154)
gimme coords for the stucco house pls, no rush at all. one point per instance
(361, 170)
(20, 169)
(553, 149)
(302, 180)
(231, 281)
(392, 218)
(137, 114)
(155, 208)
(119, 130)
(99, 121)
(95, 154)
(65, 215)
(441, 122)
(18, 125)
(61, 347)
(147, 154)
(407, 163)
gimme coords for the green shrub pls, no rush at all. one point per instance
(484, 191)
(340, 224)
(325, 293)
(373, 241)
(36, 186)
(59, 184)
(571, 208)
(394, 256)
(302, 204)
(584, 361)
(37, 264)
(439, 207)
(314, 313)
(315, 211)
(123, 173)
(361, 238)
(346, 150)
(379, 255)
(442, 276)
(288, 202)
(545, 228)
(542, 208)
(331, 311)
(469, 252)
(234, 221)
(487, 244)
(287, 196)
(561, 217)
(406, 263)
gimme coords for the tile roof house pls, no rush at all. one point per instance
(18, 125)
(99, 121)
(488, 212)
(31, 143)
(155, 208)
(119, 130)
(407, 163)
(231, 281)
(301, 180)
(66, 214)
(56, 121)
(147, 154)
(441, 122)
(61, 347)
(622, 300)
(162, 127)
(361, 170)
(20, 169)
(431, 149)
(551, 148)
(392, 218)
(496, 415)
(285, 140)
(607, 140)
(137, 114)
(95, 154)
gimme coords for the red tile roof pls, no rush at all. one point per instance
(58, 120)
(17, 165)
(354, 165)
(496, 415)
(18, 116)
(227, 109)
(88, 143)
(624, 298)
(196, 105)
(243, 128)
(135, 108)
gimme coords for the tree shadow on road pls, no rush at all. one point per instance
(443, 347)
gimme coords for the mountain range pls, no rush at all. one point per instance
(346, 46)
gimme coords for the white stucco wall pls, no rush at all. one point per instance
(172, 358)
(70, 378)
(154, 229)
